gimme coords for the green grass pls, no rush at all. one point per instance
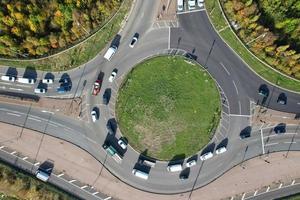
(292, 197)
(80, 54)
(168, 108)
(15, 184)
(260, 68)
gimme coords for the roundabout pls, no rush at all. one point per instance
(168, 108)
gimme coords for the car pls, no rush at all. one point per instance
(111, 127)
(191, 4)
(134, 40)
(206, 156)
(282, 99)
(48, 80)
(191, 163)
(106, 96)
(40, 90)
(200, 3)
(96, 87)
(122, 143)
(280, 128)
(113, 76)
(221, 150)
(64, 87)
(263, 90)
(94, 115)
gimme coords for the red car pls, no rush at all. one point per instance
(96, 87)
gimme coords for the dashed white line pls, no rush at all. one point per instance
(46, 111)
(262, 141)
(85, 186)
(240, 106)
(24, 158)
(268, 189)
(225, 68)
(169, 41)
(16, 89)
(2, 147)
(12, 153)
(255, 193)
(293, 182)
(34, 119)
(36, 164)
(60, 175)
(236, 89)
(95, 193)
(107, 198)
(243, 197)
(236, 115)
(191, 11)
(280, 185)
(270, 144)
(14, 114)
(72, 181)
(290, 142)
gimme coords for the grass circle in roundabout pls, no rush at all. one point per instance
(167, 107)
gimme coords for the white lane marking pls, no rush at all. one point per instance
(27, 86)
(268, 189)
(107, 198)
(5, 83)
(16, 89)
(270, 144)
(72, 181)
(293, 182)
(2, 147)
(235, 115)
(2, 87)
(298, 103)
(95, 193)
(237, 92)
(12, 153)
(240, 107)
(191, 11)
(14, 114)
(34, 119)
(169, 41)
(290, 142)
(243, 197)
(36, 164)
(53, 125)
(280, 185)
(24, 158)
(262, 141)
(60, 175)
(255, 193)
(85, 186)
(46, 111)
(226, 70)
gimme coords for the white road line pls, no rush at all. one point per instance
(255, 193)
(95, 193)
(240, 107)
(26, 86)
(16, 89)
(225, 68)
(262, 141)
(53, 125)
(270, 144)
(46, 111)
(24, 158)
(72, 181)
(169, 41)
(237, 92)
(60, 175)
(298, 103)
(236, 115)
(293, 182)
(268, 189)
(2, 87)
(13, 114)
(34, 119)
(243, 197)
(2, 147)
(107, 198)
(290, 142)
(85, 186)
(280, 185)
(190, 11)
(4, 83)
(36, 164)
(12, 153)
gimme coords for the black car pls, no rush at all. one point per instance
(246, 132)
(282, 99)
(106, 96)
(280, 128)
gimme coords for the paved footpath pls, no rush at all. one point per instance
(78, 164)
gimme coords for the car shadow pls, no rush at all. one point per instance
(223, 143)
(30, 73)
(49, 75)
(47, 166)
(210, 148)
(246, 132)
(12, 71)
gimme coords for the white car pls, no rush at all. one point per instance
(192, 4)
(112, 76)
(134, 40)
(221, 150)
(40, 90)
(122, 143)
(200, 3)
(206, 156)
(191, 163)
(94, 115)
(48, 80)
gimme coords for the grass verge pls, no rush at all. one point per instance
(80, 54)
(215, 14)
(167, 108)
(15, 184)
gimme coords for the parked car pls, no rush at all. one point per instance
(206, 156)
(221, 150)
(191, 4)
(191, 163)
(200, 3)
(122, 143)
(48, 80)
(282, 99)
(134, 40)
(40, 90)
(106, 96)
(96, 87)
(95, 115)
(113, 75)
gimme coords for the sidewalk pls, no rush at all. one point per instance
(81, 166)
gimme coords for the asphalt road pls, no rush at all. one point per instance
(195, 35)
